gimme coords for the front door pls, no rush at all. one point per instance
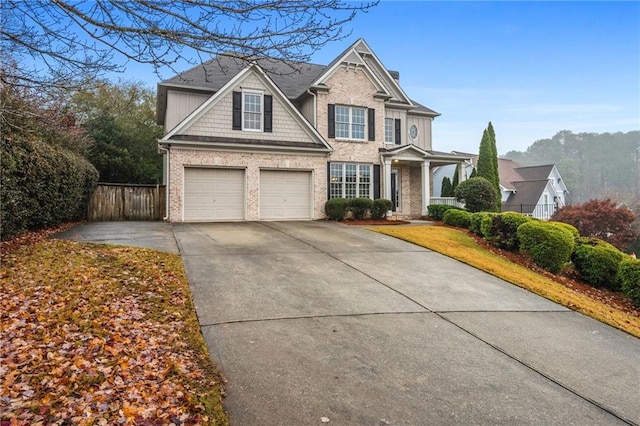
(395, 189)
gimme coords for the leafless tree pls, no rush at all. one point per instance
(66, 43)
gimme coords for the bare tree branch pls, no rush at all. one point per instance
(65, 43)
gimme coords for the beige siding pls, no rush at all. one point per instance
(424, 130)
(179, 105)
(218, 120)
(402, 115)
(307, 109)
(252, 163)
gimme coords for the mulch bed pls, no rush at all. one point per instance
(374, 222)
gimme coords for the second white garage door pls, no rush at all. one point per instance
(213, 194)
(285, 194)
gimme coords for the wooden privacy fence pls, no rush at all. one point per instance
(115, 202)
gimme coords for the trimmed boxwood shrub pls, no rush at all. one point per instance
(598, 262)
(359, 207)
(504, 230)
(457, 218)
(476, 222)
(568, 227)
(336, 208)
(436, 211)
(42, 185)
(549, 246)
(380, 208)
(486, 225)
(629, 278)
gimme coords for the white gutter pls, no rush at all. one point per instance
(166, 191)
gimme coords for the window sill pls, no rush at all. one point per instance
(351, 140)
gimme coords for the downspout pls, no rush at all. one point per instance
(168, 175)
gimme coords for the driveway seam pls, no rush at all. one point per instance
(351, 266)
(441, 314)
(541, 373)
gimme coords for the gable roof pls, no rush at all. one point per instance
(292, 78)
(318, 144)
(527, 194)
(535, 172)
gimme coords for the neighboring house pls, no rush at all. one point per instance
(536, 191)
(272, 139)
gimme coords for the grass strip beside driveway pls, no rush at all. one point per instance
(458, 245)
(98, 335)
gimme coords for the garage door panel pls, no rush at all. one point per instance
(285, 194)
(213, 194)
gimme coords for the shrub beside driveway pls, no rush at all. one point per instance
(458, 245)
(95, 334)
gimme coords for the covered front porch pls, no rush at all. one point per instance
(407, 178)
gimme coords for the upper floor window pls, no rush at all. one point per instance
(252, 111)
(350, 122)
(392, 130)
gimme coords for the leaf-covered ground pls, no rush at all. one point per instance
(101, 335)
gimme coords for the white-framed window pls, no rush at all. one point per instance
(252, 111)
(350, 180)
(350, 122)
(389, 130)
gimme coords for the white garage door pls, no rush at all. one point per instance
(213, 194)
(285, 194)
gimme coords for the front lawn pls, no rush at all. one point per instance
(96, 334)
(458, 245)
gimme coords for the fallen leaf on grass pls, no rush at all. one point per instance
(93, 334)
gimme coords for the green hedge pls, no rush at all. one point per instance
(380, 208)
(598, 262)
(336, 208)
(629, 278)
(568, 227)
(457, 218)
(486, 226)
(504, 230)
(436, 211)
(41, 186)
(475, 224)
(549, 246)
(359, 207)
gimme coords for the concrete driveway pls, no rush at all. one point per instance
(315, 322)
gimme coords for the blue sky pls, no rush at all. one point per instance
(532, 68)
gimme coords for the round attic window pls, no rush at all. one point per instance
(413, 132)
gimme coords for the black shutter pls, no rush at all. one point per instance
(268, 113)
(372, 124)
(237, 111)
(376, 181)
(328, 180)
(398, 132)
(331, 113)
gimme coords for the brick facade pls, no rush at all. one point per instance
(252, 163)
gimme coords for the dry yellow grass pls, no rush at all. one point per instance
(460, 246)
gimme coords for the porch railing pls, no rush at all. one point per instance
(539, 211)
(449, 201)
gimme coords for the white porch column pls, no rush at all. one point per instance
(462, 172)
(426, 185)
(386, 172)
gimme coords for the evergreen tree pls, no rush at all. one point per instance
(447, 188)
(487, 161)
(494, 158)
(456, 179)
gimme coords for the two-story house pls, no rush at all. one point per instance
(269, 139)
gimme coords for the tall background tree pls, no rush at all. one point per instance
(487, 166)
(120, 119)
